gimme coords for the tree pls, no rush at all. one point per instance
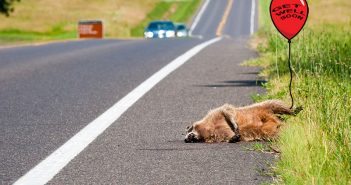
(5, 6)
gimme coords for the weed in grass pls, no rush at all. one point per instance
(258, 146)
(266, 147)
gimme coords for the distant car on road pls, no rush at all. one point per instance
(160, 29)
(181, 30)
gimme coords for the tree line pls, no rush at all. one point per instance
(6, 6)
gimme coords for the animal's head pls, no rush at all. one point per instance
(193, 135)
(213, 128)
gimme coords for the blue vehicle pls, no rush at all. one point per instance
(181, 30)
(160, 29)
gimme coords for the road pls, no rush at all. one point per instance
(51, 92)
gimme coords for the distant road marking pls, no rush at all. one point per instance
(198, 17)
(252, 21)
(50, 166)
(224, 18)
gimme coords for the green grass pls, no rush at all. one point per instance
(260, 147)
(15, 35)
(160, 9)
(315, 145)
(183, 12)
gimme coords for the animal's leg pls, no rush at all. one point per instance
(270, 128)
(229, 118)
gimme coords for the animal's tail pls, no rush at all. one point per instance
(279, 107)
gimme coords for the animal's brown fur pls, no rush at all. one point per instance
(255, 122)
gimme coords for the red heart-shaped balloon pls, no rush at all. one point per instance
(289, 16)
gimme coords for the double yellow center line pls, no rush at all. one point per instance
(224, 18)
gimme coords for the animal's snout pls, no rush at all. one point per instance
(190, 138)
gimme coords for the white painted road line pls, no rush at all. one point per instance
(49, 167)
(252, 21)
(198, 17)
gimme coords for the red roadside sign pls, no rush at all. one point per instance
(90, 29)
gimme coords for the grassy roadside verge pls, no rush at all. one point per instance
(15, 35)
(316, 145)
(179, 11)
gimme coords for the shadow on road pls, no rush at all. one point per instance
(235, 83)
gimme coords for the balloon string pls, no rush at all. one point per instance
(291, 76)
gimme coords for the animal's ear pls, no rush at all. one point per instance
(189, 128)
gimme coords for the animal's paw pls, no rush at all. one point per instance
(234, 139)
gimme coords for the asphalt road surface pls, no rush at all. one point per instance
(50, 92)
